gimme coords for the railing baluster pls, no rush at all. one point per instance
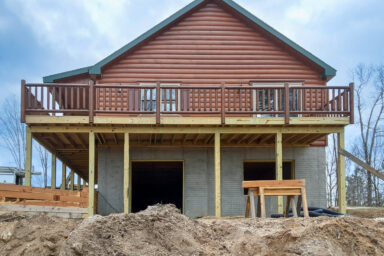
(257, 106)
(53, 98)
(198, 100)
(263, 100)
(60, 98)
(42, 97)
(72, 100)
(78, 98)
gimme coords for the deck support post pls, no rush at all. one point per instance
(72, 186)
(279, 167)
(28, 157)
(63, 176)
(342, 202)
(91, 176)
(126, 172)
(217, 176)
(78, 182)
(53, 171)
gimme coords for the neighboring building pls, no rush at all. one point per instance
(184, 113)
(11, 175)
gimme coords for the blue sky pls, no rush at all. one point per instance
(43, 37)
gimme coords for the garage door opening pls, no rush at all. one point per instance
(156, 182)
(266, 171)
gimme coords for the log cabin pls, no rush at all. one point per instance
(184, 113)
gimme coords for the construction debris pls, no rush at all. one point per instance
(162, 230)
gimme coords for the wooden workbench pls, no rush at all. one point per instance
(288, 188)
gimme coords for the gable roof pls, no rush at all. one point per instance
(328, 72)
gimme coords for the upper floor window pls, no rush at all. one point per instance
(168, 97)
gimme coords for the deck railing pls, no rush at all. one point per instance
(275, 101)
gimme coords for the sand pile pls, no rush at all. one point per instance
(162, 230)
(37, 235)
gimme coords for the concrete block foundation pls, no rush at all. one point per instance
(309, 164)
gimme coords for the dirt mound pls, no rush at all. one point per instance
(34, 235)
(162, 230)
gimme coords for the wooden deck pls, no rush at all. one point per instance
(223, 102)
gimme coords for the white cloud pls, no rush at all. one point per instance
(77, 28)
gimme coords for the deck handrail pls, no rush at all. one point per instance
(158, 99)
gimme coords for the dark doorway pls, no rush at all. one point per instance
(266, 171)
(156, 182)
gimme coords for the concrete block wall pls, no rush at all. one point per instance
(199, 176)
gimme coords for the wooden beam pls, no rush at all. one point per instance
(217, 176)
(91, 175)
(341, 174)
(279, 166)
(28, 157)
(78, 182)
(363, 164)
(266, 137)
(173, 138)
(107, 120)
(126, 173)
(196, 138)
(72, 186)
(53, 171)
(187, 130)
(82, 142)
(115, 139)
(256, 136)
(63, 176)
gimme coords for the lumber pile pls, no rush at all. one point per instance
(23, 195)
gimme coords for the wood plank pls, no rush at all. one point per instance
(189, 130)
(279, 166)
(252, 202)
(53, 171)
(91, 175)
(28, 156)
(63, 176)
(362, 164)
(126, 173)
(341, 175)
(273, 183)
(217, 176)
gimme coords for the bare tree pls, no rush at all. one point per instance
(331, 171)
(369, 91)
(13, 131)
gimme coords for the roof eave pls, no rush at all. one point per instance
(54, 77)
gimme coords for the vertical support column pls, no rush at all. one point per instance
(341, 174)
(91, 176)
(279, 167)
(126, 172)
(91, 100)
(63, 176)
(53, 171)
(28, 157)
(217, 176)
(72, 187)
(78, 182)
